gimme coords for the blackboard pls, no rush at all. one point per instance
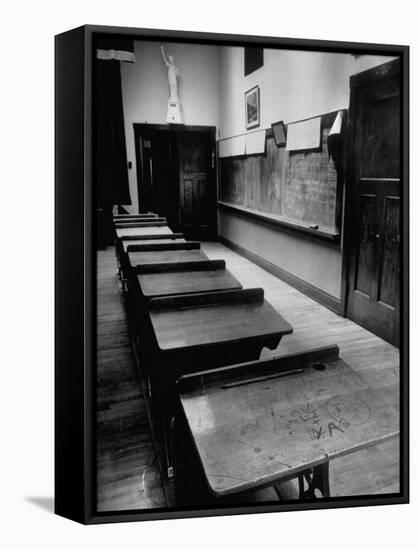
(302, 187)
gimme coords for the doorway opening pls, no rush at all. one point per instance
(176, 176)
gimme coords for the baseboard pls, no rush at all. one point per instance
(308, 289)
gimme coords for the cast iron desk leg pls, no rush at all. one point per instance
(316, 478)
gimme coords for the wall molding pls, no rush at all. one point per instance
(324, 298)
(300, 229)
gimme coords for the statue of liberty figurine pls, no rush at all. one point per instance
(174, 110)
(172, 74)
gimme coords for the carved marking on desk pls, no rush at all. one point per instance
(317, 433)
(332, 426)
(348, 410)
(307, 413)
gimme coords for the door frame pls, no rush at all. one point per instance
(176, 129)
(389, 70)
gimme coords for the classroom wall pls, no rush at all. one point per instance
(307, 259)
(293, 86)
(145, 91)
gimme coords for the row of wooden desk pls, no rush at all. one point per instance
(224, 421)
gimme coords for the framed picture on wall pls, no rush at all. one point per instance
(199, 269)
(252, 107)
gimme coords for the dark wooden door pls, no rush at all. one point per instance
(373, 217)
(176, 176)
(197, 193)
(158, 180)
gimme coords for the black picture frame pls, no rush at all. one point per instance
(279, 133)
(252, 107)
(75, 273)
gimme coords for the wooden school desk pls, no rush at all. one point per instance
(188, 252)
(149, 281)
(139, 233)
(150, 242)
(157, 280)
(150, 257)
(264, 422)
(185, 278)
(205, 331)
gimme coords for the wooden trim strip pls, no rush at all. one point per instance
(147, 245)
(150, 237)
(263, 367)
(247, 295)
(204, 265)
(156, 222)
(317, 234)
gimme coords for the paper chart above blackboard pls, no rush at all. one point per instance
(304, 135)
(251, 143)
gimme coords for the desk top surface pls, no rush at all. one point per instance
(140, 231)
(165, 256)
(144, 243)
(251, 430)
(213, 319)
(191, 282)
(151, 222)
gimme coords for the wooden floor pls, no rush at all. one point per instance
(127, 474)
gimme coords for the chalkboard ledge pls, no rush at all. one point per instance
(322, 233)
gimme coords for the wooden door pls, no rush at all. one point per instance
(158, 180)
(373, 217)
(197, 193)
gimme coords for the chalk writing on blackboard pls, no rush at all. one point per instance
(296, 186)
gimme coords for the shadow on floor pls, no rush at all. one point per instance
(46, 503)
